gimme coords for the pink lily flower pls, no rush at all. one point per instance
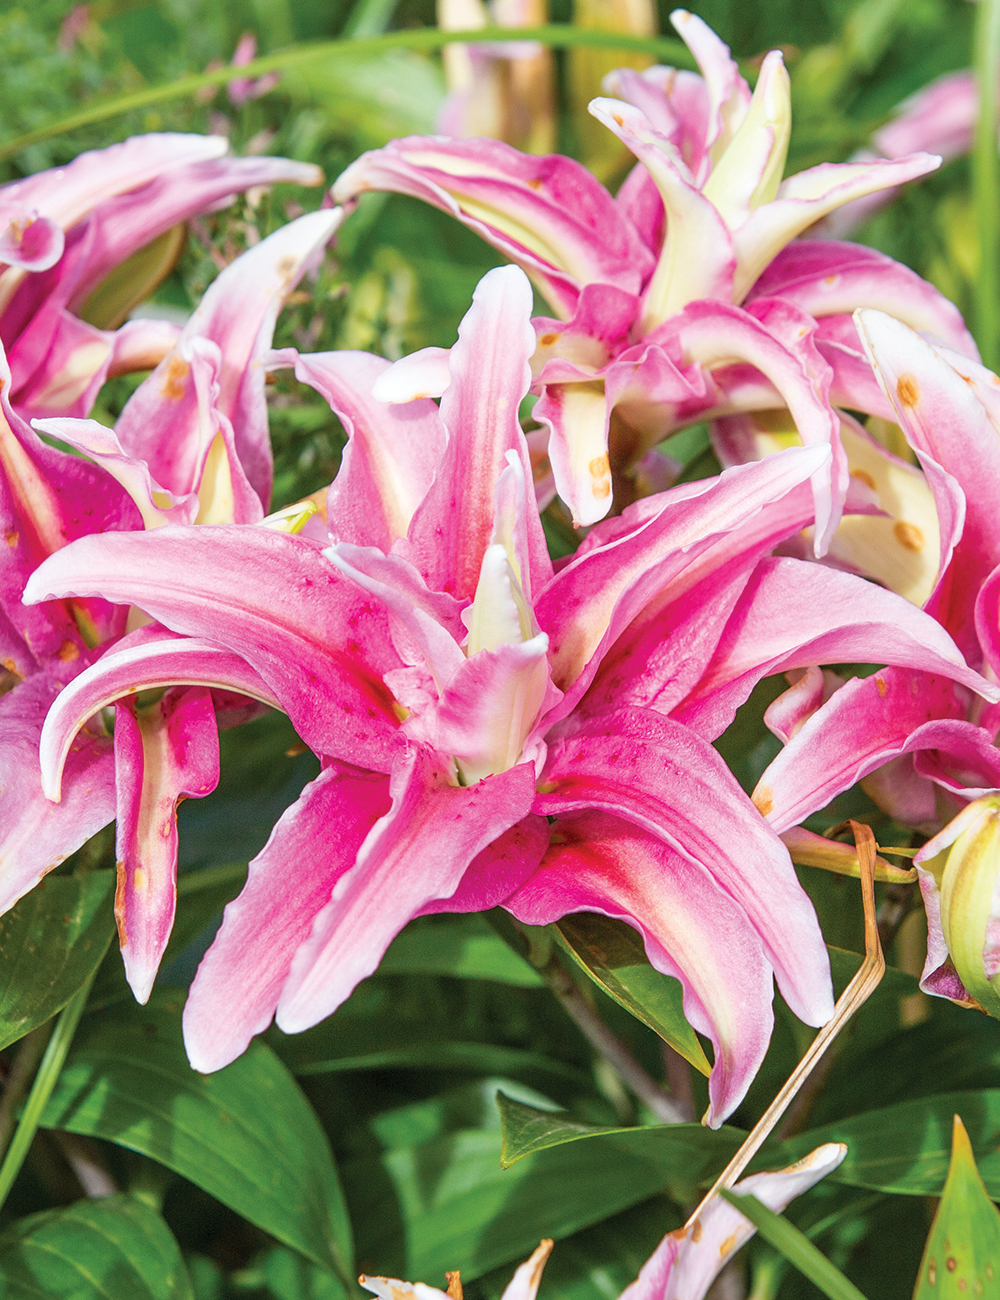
(925, 745)
(685, 1264)
(63, 231)
(492, 732)
(660, 324)
(175, 455)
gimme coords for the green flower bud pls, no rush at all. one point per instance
(970, 901)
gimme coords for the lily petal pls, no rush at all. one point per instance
(164, 753)
(661, 776)
(236, 990)
(691, 929)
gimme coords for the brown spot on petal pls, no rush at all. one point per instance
(881, 686)
(600, 473)
(547, 340)
(696, 1231)
(68, 651)
(908, 390)
(174, 386)
(535, 183)
(120, 903)
(763, 799)
(863, 476)
(13, 538)
(909, 535)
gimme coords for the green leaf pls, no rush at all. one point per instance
(796, 1247)
(290, 1277)
(457, 945)
(612, 954)
(527, 1129)
(113, 1249)
(245, 1134)
(51, 942)
(962, 1255)
(448, 1203)
(905, 1148)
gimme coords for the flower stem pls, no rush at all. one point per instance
(41, 1089)
(986, 182)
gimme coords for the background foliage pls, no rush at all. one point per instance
(373, 1142)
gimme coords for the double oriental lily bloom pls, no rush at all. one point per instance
(191, 445)
(924, 745)
(64, 232)
(492, 732)
(659, 324)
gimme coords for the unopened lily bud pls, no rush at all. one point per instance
(959, 872)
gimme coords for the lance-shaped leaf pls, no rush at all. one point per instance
(962, 1255)
(613, 957)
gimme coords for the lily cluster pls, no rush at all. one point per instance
(493, 729)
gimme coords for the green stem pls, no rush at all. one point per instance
(986, 182)
(556, 35)
(41, 1089)
(795, 1246)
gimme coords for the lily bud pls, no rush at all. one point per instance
(959, 870)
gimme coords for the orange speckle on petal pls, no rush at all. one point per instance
(535, 183)
(863, 476)
(881, 686)
(547, 340)
(728, 1245)
(13, 538)
(908, 390)
(174, 386)
(763, 799)
(600, 473)
(909, 535)
(68, 651)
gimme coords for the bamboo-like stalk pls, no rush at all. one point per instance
(861, 987)
(986, 182)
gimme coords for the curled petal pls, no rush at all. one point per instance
(164, 753)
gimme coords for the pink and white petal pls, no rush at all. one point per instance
(490, 372)
(313, 845)
(28, 240)
(489, 708)
(59, 364)
(863, 725)
(943, 419)
(500, 869)
(392, 451)
(418, 852)
(592, 600)
(36, 835)
(839, 618)
(65, 194)
(640, 201)
(958, 756)
(163, 754)
(319, 644)
(698, 260)
(149, 659)
(431, 619)
(691, 929)
(577, 417)
(237, 313)
(722, 1230)
(828, 278)
(728, 93)
(126, 222)
(661, 776)
(422, 374)
(98, 443)
(940, 117)
(939, 977)
(809, 195)
(716, 334)
(549, 215)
